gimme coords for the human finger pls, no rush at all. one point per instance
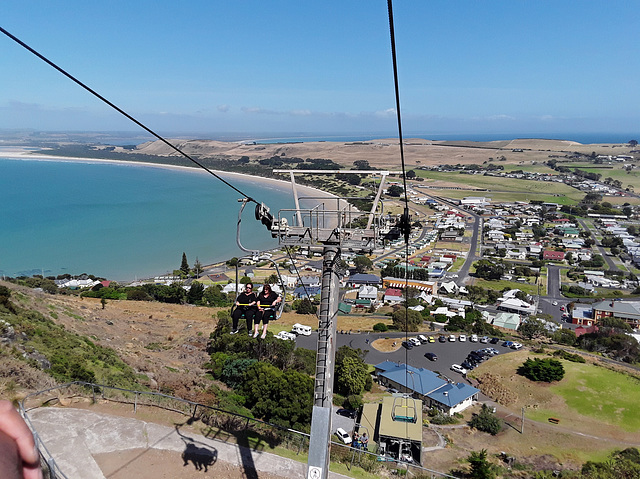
(12, 424)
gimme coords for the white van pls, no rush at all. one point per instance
(422, 338)
(301, 329)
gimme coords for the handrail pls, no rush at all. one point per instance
(56, 473)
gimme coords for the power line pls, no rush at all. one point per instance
(122, 112)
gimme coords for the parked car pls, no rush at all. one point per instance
(507, 344)
(484, 339)
(452, 338)
(342, 434)
(494, 351)
(468, 365)
(516, 346)
(285, 336)
(407, 344)
(458, 369)
(347, 413)
(442, 339)
(494, 340)
(393, 391)
(415, 341)
(431, 339)
(474, 338)
(431, 356)
(463, 337)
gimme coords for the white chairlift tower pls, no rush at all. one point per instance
(330, 228)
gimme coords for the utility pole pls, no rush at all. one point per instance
(318, 462)
(522, 422)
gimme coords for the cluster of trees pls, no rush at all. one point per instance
(272, 379)
(352, 376)
(612, 341)
(478, 294)
(394, 271)
(175, 294)
(539, 369)
(318, 164)
(489, 270)
(472, 323)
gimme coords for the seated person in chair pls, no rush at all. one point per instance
(267, 301)
(245, 305)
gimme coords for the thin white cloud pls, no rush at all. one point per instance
(223, 108)
(500, 118)
(389, 112)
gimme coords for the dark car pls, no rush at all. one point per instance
(507, 344)
(431, 356)
(494, 340)
(347, 413)
(442, 339)
(472, 360)
(407, 344)
(468, 365)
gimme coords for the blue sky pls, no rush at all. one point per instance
(212, 67)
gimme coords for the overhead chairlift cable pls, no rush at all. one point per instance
(405, 225)
(124, 113)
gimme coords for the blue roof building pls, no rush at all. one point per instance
(453, 398)
(418, 381)
(426, 385)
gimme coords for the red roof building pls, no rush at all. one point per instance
(553, 255)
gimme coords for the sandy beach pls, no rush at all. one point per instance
(26, 154)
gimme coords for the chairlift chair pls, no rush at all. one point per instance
(257, 255)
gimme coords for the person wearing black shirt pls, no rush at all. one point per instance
(267, 299)
(245, 304)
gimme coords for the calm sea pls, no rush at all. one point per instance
(121, 221)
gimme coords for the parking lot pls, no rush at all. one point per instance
(448, 353)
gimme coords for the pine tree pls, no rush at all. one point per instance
(184, 267)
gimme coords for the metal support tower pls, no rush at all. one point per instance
(318, 462)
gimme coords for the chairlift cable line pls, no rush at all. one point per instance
(405, 217)
(122, 112)
(288, 250)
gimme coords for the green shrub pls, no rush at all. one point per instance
(575, 358)
(381, 327)
(486, 421)
(542, 370)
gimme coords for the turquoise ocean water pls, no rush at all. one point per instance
(122, 221)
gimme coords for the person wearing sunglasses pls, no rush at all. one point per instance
(245, 306)
(267, 301)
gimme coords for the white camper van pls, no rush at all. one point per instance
(301, 329)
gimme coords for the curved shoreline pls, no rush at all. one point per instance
(26, 155)
(19, 153)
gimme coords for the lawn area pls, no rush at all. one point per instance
(457, 264)
(500, 184)
(499, 285)
(596, 392)
(590, 399)
(505, 197)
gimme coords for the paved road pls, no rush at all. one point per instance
(553, 281)
(609, 261)
(463, 273)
